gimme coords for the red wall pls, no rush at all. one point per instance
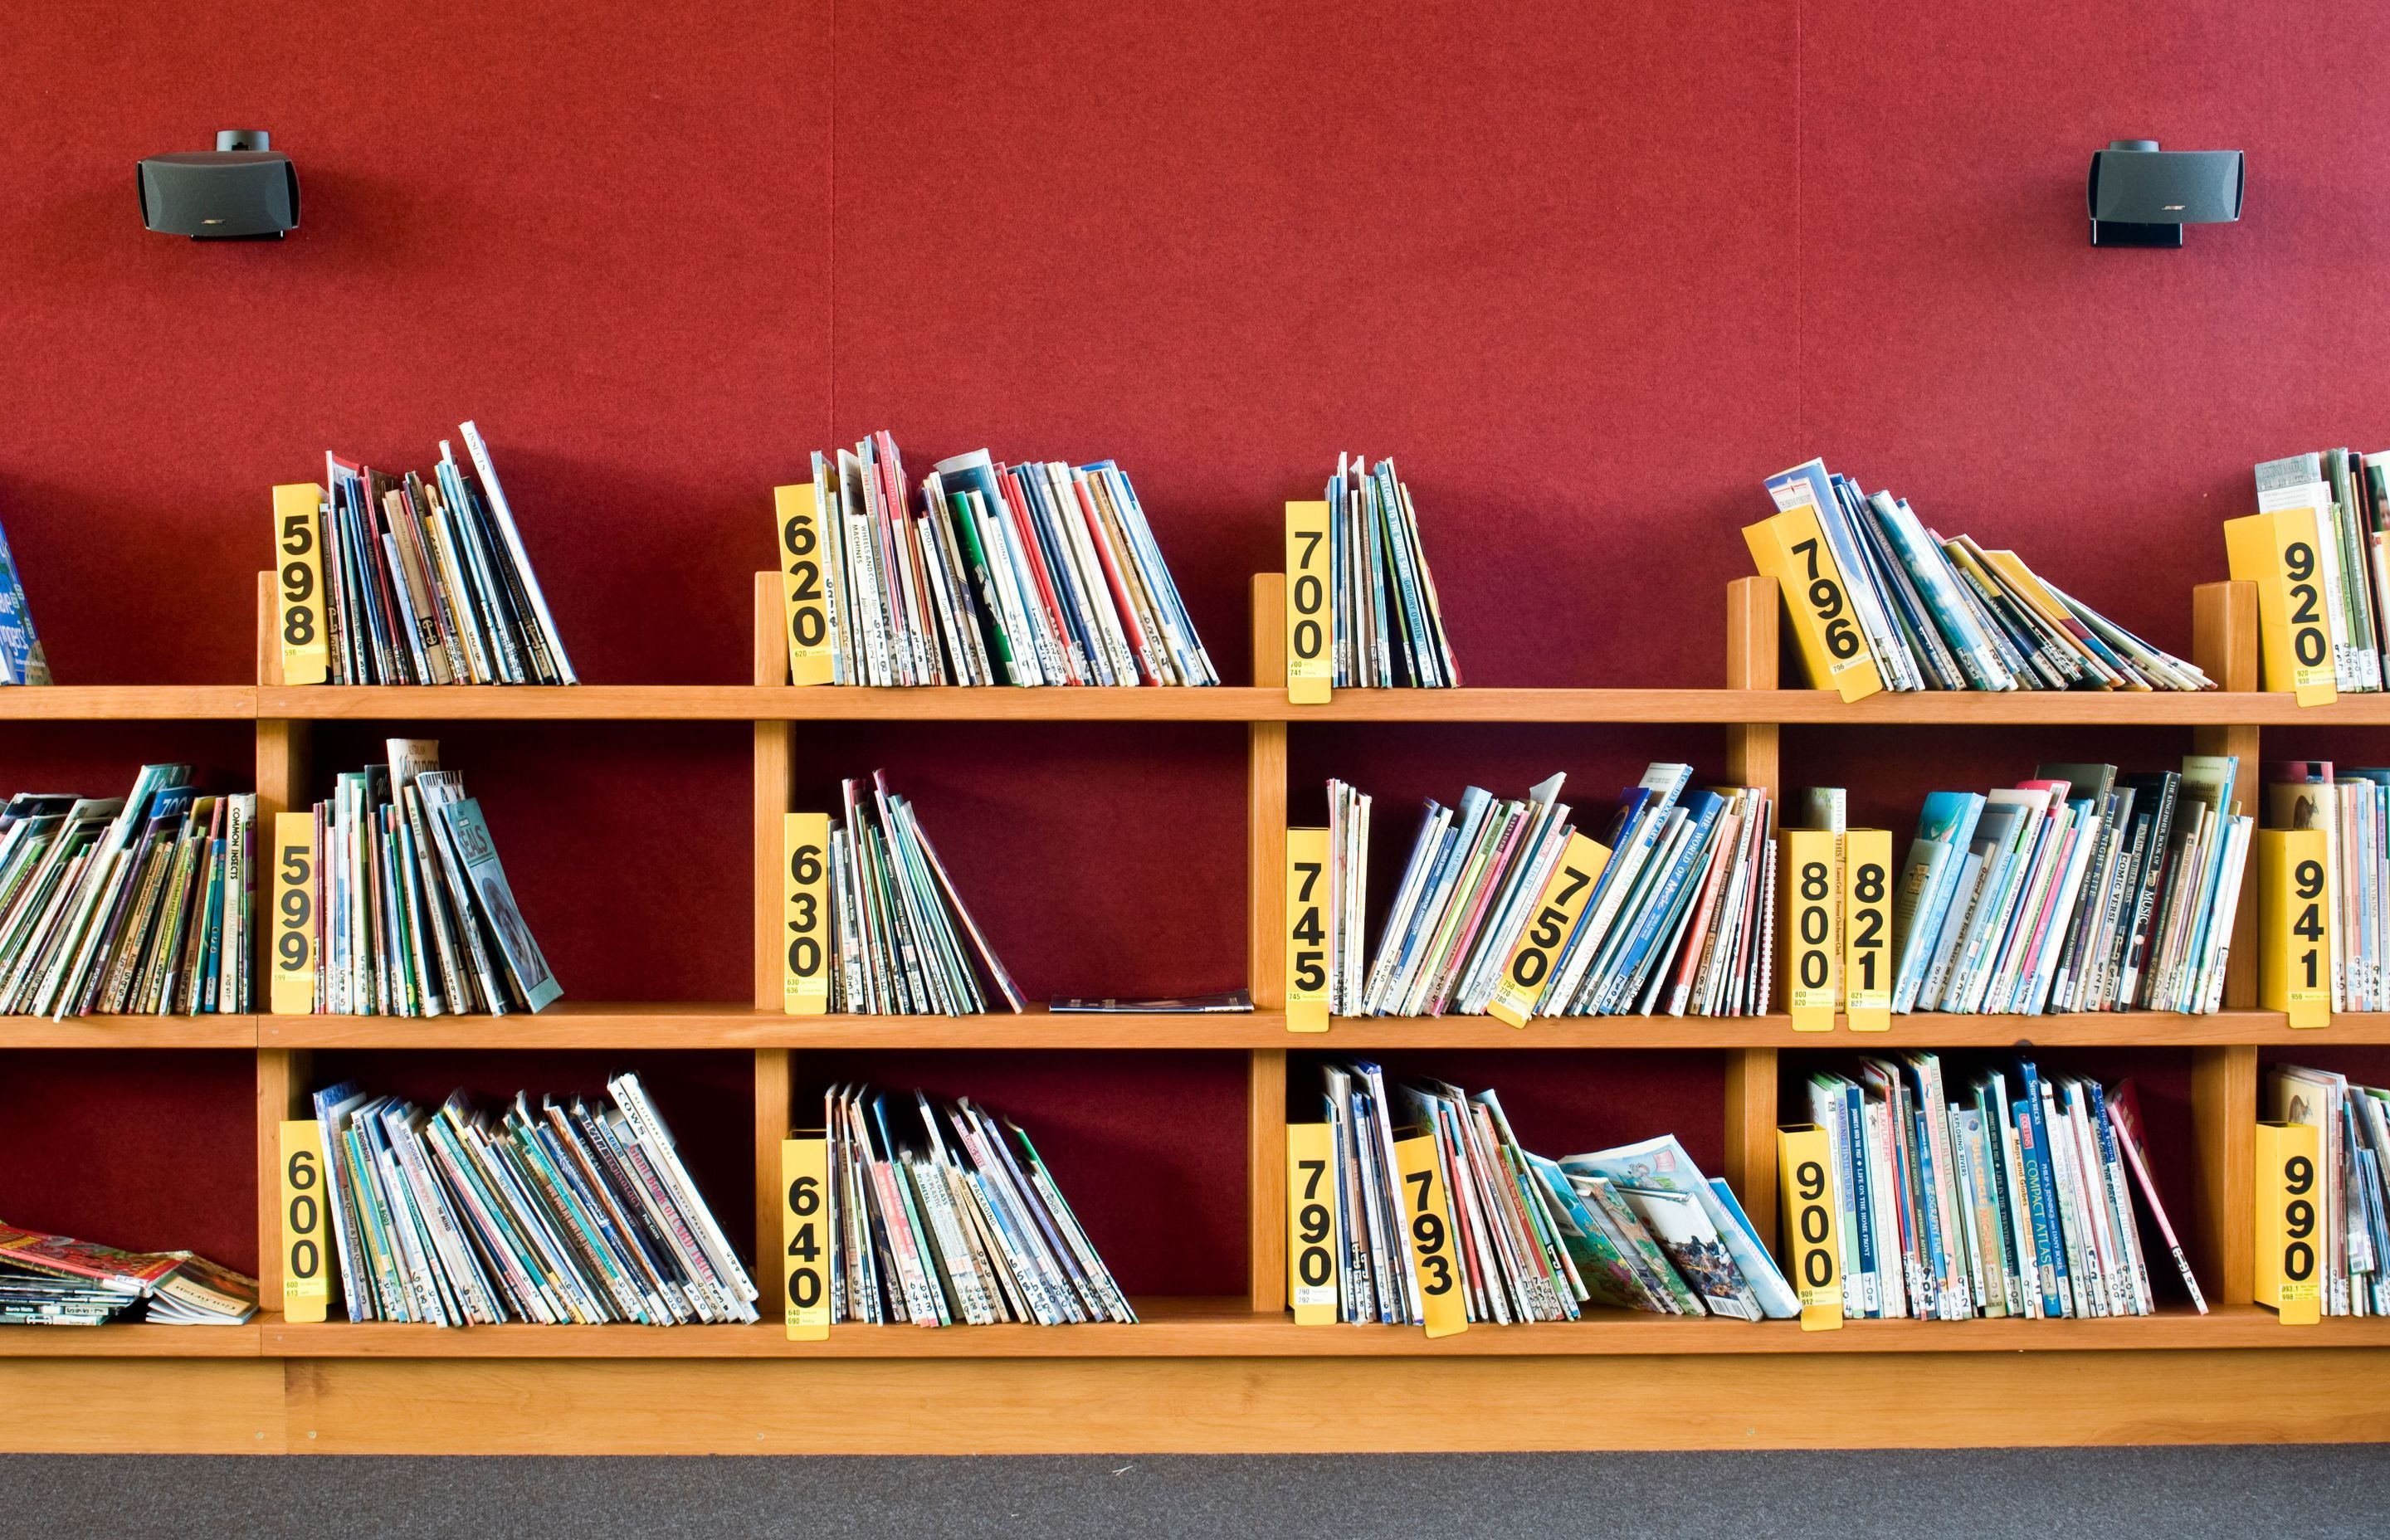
(1587, 273)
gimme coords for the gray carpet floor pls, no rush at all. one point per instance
(2238, 1492)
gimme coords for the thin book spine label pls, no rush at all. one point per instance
(804, 963)
(1790, 547)
(1528, 975)
(2277, 551)
(293, 988)
(1866, 928)
(1306, 930)
(1311, 1243)
(2289, 1222)
(306, 656)
(1813, 1243)
(805, 612)
(1427, 1215)
(804, 1235)
(306, 1259)
(2295, 918)
(1310, 607)
(1813, 971)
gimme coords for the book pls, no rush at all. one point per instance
(22, 660)
(900, 939)
(1388, 622)
(58, 1280)
(1231, 1002)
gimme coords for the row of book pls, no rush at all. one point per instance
(2350, 497)
(136, 905)
(2352, 808)
(409, 912)
(22, 659)
(902, 941)
(941, 1214)
(1937, 614)
(58, 1280)
(2012, 1200)
(1677, 917)
(2078, 889)
(1040, 574)
(1530, 1239)
(2351, 1203)
(1388, 627)
(572, 1211)
(425, 582)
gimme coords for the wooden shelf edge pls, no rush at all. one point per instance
(127, 702)
(734, 1026)
(129, 1031)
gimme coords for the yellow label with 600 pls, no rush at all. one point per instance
(307, 1238)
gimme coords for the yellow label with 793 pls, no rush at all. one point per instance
(292, 989)
(1427, 1213)
(2294, 922)
(805, 607)
(1566, 892)
(1866, 928)
(2277, 551)
(805, 1236)
(1813, 963)
(1307, 901)
(1311, 1240)
(805, 962)
(1812, 1241)
(1310, 606)
(2290, 1232)
(306, 655)
(306, 1236)
(1792, 548)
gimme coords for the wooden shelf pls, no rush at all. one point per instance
(128, 702)
(571, 1025)
(131, 1339)
(129, 1031)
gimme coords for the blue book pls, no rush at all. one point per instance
(1944, 595)
(2041, 1194)
(1853, 1100)
(1458, 842)
(1928, 881)
(1929, 1206)
(1623, 828)
(1701, 811)
(21, 661)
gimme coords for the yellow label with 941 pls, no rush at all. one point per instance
(1792, 548)
(2294, 923)
(805, 1236)
(1566, 892)
(2289, 1228)
(292, 991)
(1814, 961)
(2278, 551)
(1866, 928)
(1311, 1240)
(1427, 1213)
(1813, 1213)
(1307, 901)
(306, 1237)
(306, 656)
(1310, 606)
(804, 963)
(807, 613)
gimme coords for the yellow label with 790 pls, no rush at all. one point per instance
(1311, 1239)
(1566, 892)
(1813, 1241)
(292, 990)
(1307, 901)
(1435, 1260)
(805, 607)
(307, 1238)
(1814, 965)
(2277, 550)
(1866, 928)
(306, 656)
(1792, 548)
(2294, 923)
(1310, 606)
(2289, 1271)
(804, 963)
(805, 1235)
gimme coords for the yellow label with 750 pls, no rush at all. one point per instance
(1427, 1215)
(1566, 892)
(1311, 1239)
(1310, 606)
(306, 1233)
(1309, 912)
(805, 960)
(805, 1236)
(306, 656)
(805, 605)
(1812, 1241)
(292, 990)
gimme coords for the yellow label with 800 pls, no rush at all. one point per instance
(1809, 914)
(1311, 1242)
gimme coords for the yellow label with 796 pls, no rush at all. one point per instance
(1311, 1239)
(805, 1236)
(2289, 1230)
(805, 607)
(1310, 606)
(2294, 924)
(1566, 892)
(292, 988)
(1792, 548)
(1813, 964)
(306, 1237)
(306, 655)
(1308, 912)
(1813, 1241)
(1427, 1213)
(1866, 928)
(805, 965)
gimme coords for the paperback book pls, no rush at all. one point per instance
(2352, 1202)
(1389, 625)
(2352, 809)
(22, 659)
(56, 1281)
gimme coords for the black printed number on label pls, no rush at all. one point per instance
(306, 1255)
(2298, 1219)
(1427, 1238)
(805, 1282)
(1312, 1265)
(1310, 964)
(1310, 597)
(805, 947)
(1826, 603)
(2306, 885)
(296, 904)
(2309, 644)
(1527, 969)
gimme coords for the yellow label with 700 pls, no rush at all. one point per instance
(1307, 911)
(1566, 892)
(306, 656)
(306, 1236)
(805, 1236)
(2289, 1231)
(805, 605)
(1427, 1213)
(1813, 961)
(1311, 1240)
(292, 989)
(805, 960)
(1310, 606)
(1813, 1241)
(1866, 928)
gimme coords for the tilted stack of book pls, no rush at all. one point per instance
(1938, 614)
(2350, 495)
(22, 659)
(1389, 629)
(898, 924)
(2352, 1182)
(944, 1215)
(136, 905)
(572, 1212)
(2352, 808)
(2015, 1201)
(1042, 573)
(58, 1280)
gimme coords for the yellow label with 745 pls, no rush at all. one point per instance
(804, 601)
(804, 959)
(1311, 1238)
(306, 1232)
(1866, 928)
(297, 544)
(1566, 892)
(805, 1236)
(1307, 917)
(1813, 963)
(1792, 548)
(2278, 551)
(292, 989)
(2294, 922)
(2289, 1228)
(1813, 1213)
(1310, 606)
(1427, 1215)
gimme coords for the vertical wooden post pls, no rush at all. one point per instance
(1265, 957)
(2224, 646)
(774, 786)
(2224, 1080)
(773, 1111)
(1753, 758)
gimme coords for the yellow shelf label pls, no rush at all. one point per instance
(1310, 606)
(1311, 1244)
(298, 543)
(292, 987)
(1866, 928)
(2276, 552)
(1307, 901)
(2294, 922)
(2290, 1222)
(1435, 1259)
(1813, 1224)
(1813, 955)
(805, 1236)
(1566, 892)
(804, 863)
(1791, 548)
(307, 1238)
(805, 600)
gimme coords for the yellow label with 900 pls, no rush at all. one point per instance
(292, 989)
(1566, 892)
(1310, 606)
(804, 963)
(805, 1236)
(1813, 1213)
(1311, 1240)
(1427, 1213)
(1866, 928)
(306, 1237)
(2294, 923)
(2290, 1228)
(306, 655)
(1814, 963)
(1308, 912)
(805, 602)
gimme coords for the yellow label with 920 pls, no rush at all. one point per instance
(2289, 1226)
(1427, 1213)
(2277, 551)
(806, 606)
(306, 1243)
(1814, 962)
(1310, 606)
(805, 965)
(1566, 892)
(306, 656)
(292, 991)
(1311, 1240)
(1866, 928)
(1306, 930)
(2295, 921)
(804, 1234)
(1813, 1243)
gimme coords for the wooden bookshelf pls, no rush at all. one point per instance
(1223, 1373)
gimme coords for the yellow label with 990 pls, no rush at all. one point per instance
(2277, 551)
(1435, 1259)
(2294, 924)
(805, 965)
(1813, 1227)
(1310, 606)
(2289, 1228)
(292, 991)
(306, 1235)
(1792, 548)
(805, 1236)
(1308, 912)
(806, 606)
(1566, 892)
(1866, 928)
(1814, 965)
(1311, 1240)
(306, 656)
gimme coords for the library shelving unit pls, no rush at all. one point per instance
(1234, 1373)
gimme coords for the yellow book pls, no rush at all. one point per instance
(2276, 552)
(307, 1251)
(1427, 1213)
(2019, 579)
(805, 1236)
(2295, 921)
(804, 594)
(1566, 892)
(1866, 928)
(2290, 1226)
(1306, 930)
(1310, 606)
(1812, 1239)
(298, 546)
(1312, 1245)
(1813, 948)
(1791, 548)
(805, 960)
(290, 989)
